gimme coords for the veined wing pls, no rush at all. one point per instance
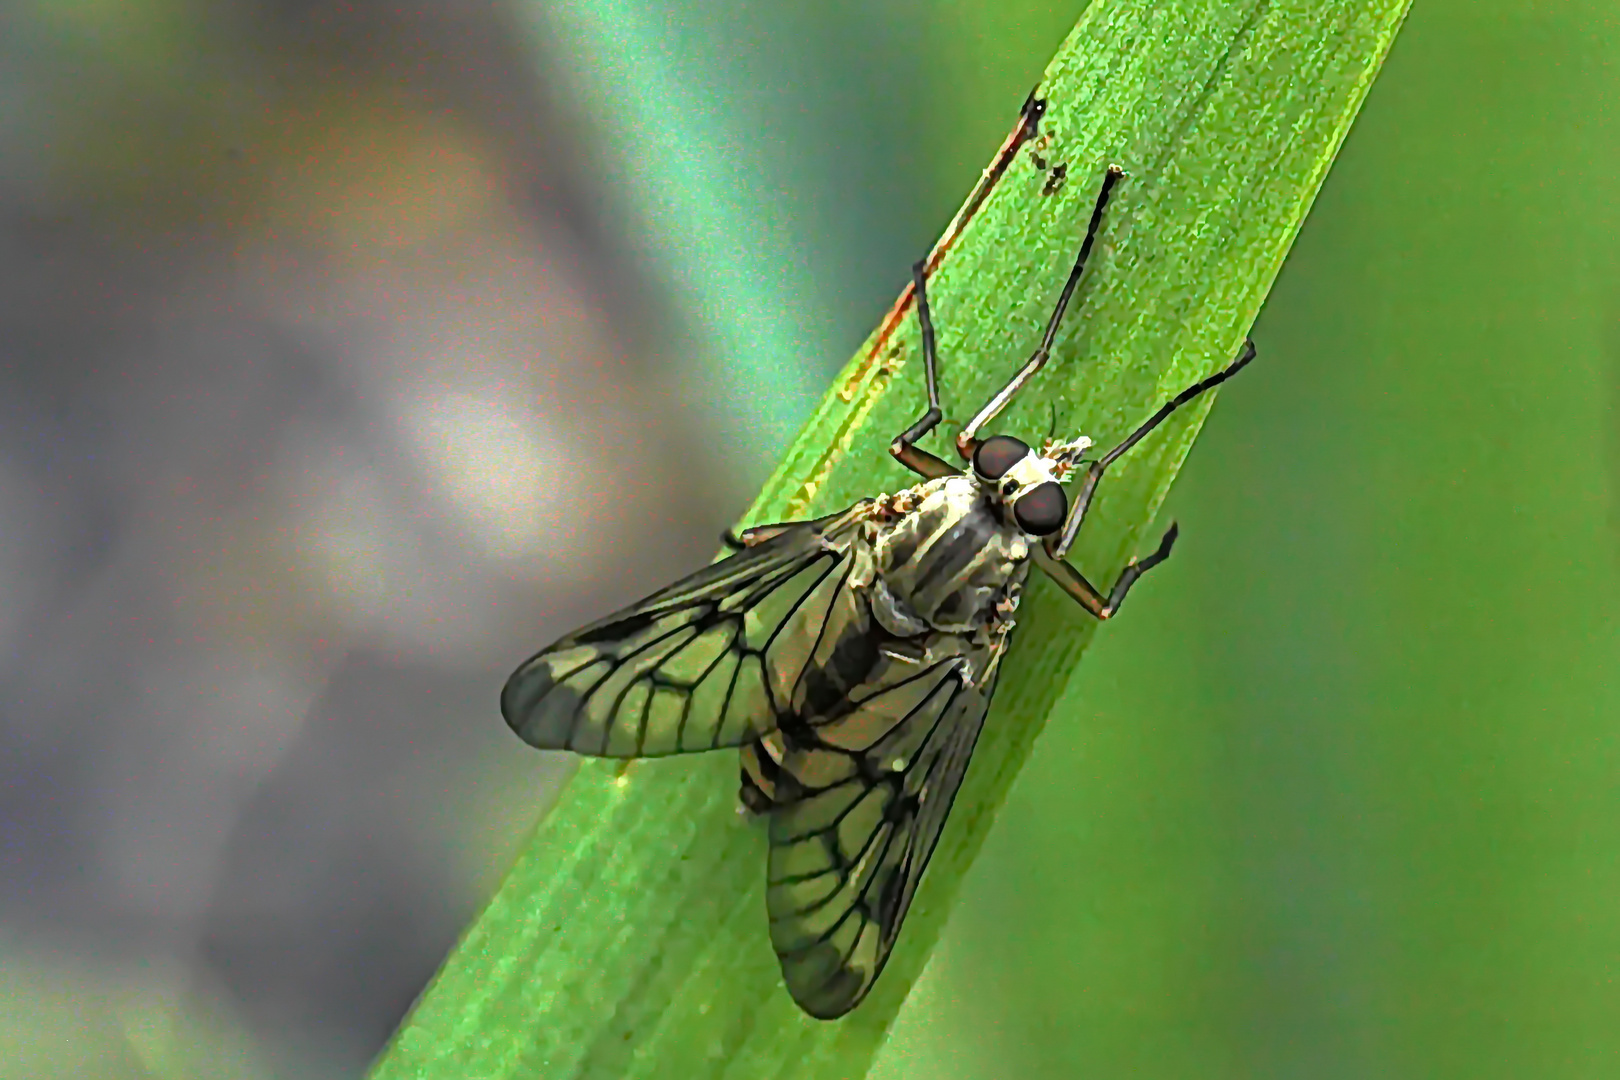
(868, 799)
(696, 666)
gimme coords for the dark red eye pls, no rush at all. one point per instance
(1041, 510)
(996, 455)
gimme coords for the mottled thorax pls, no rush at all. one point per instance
(948, 562)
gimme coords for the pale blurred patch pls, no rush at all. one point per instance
(507, 478)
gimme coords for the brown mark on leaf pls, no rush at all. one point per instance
(1055, 179)
(1026, 128)
(799, 503)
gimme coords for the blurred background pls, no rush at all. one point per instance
(351, 351)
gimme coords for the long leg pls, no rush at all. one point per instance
(1075, 584)
(968, 440)
(904, 446)
(1058, 546)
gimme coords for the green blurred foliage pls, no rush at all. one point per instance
(1340, 795)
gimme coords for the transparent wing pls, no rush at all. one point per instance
(849, 844)
(699, 665)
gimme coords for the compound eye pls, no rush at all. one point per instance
(1040, 510)
(997, 454)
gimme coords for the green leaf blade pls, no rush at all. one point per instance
(629, 939)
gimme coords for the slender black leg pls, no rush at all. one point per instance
(968, 440)
(1075, 584)
(1026, 128)
(1058, 546)
(904, 446)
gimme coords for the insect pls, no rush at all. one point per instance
(852, 659)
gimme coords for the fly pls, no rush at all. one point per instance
(852, 658)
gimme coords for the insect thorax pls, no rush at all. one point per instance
(949, 561)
